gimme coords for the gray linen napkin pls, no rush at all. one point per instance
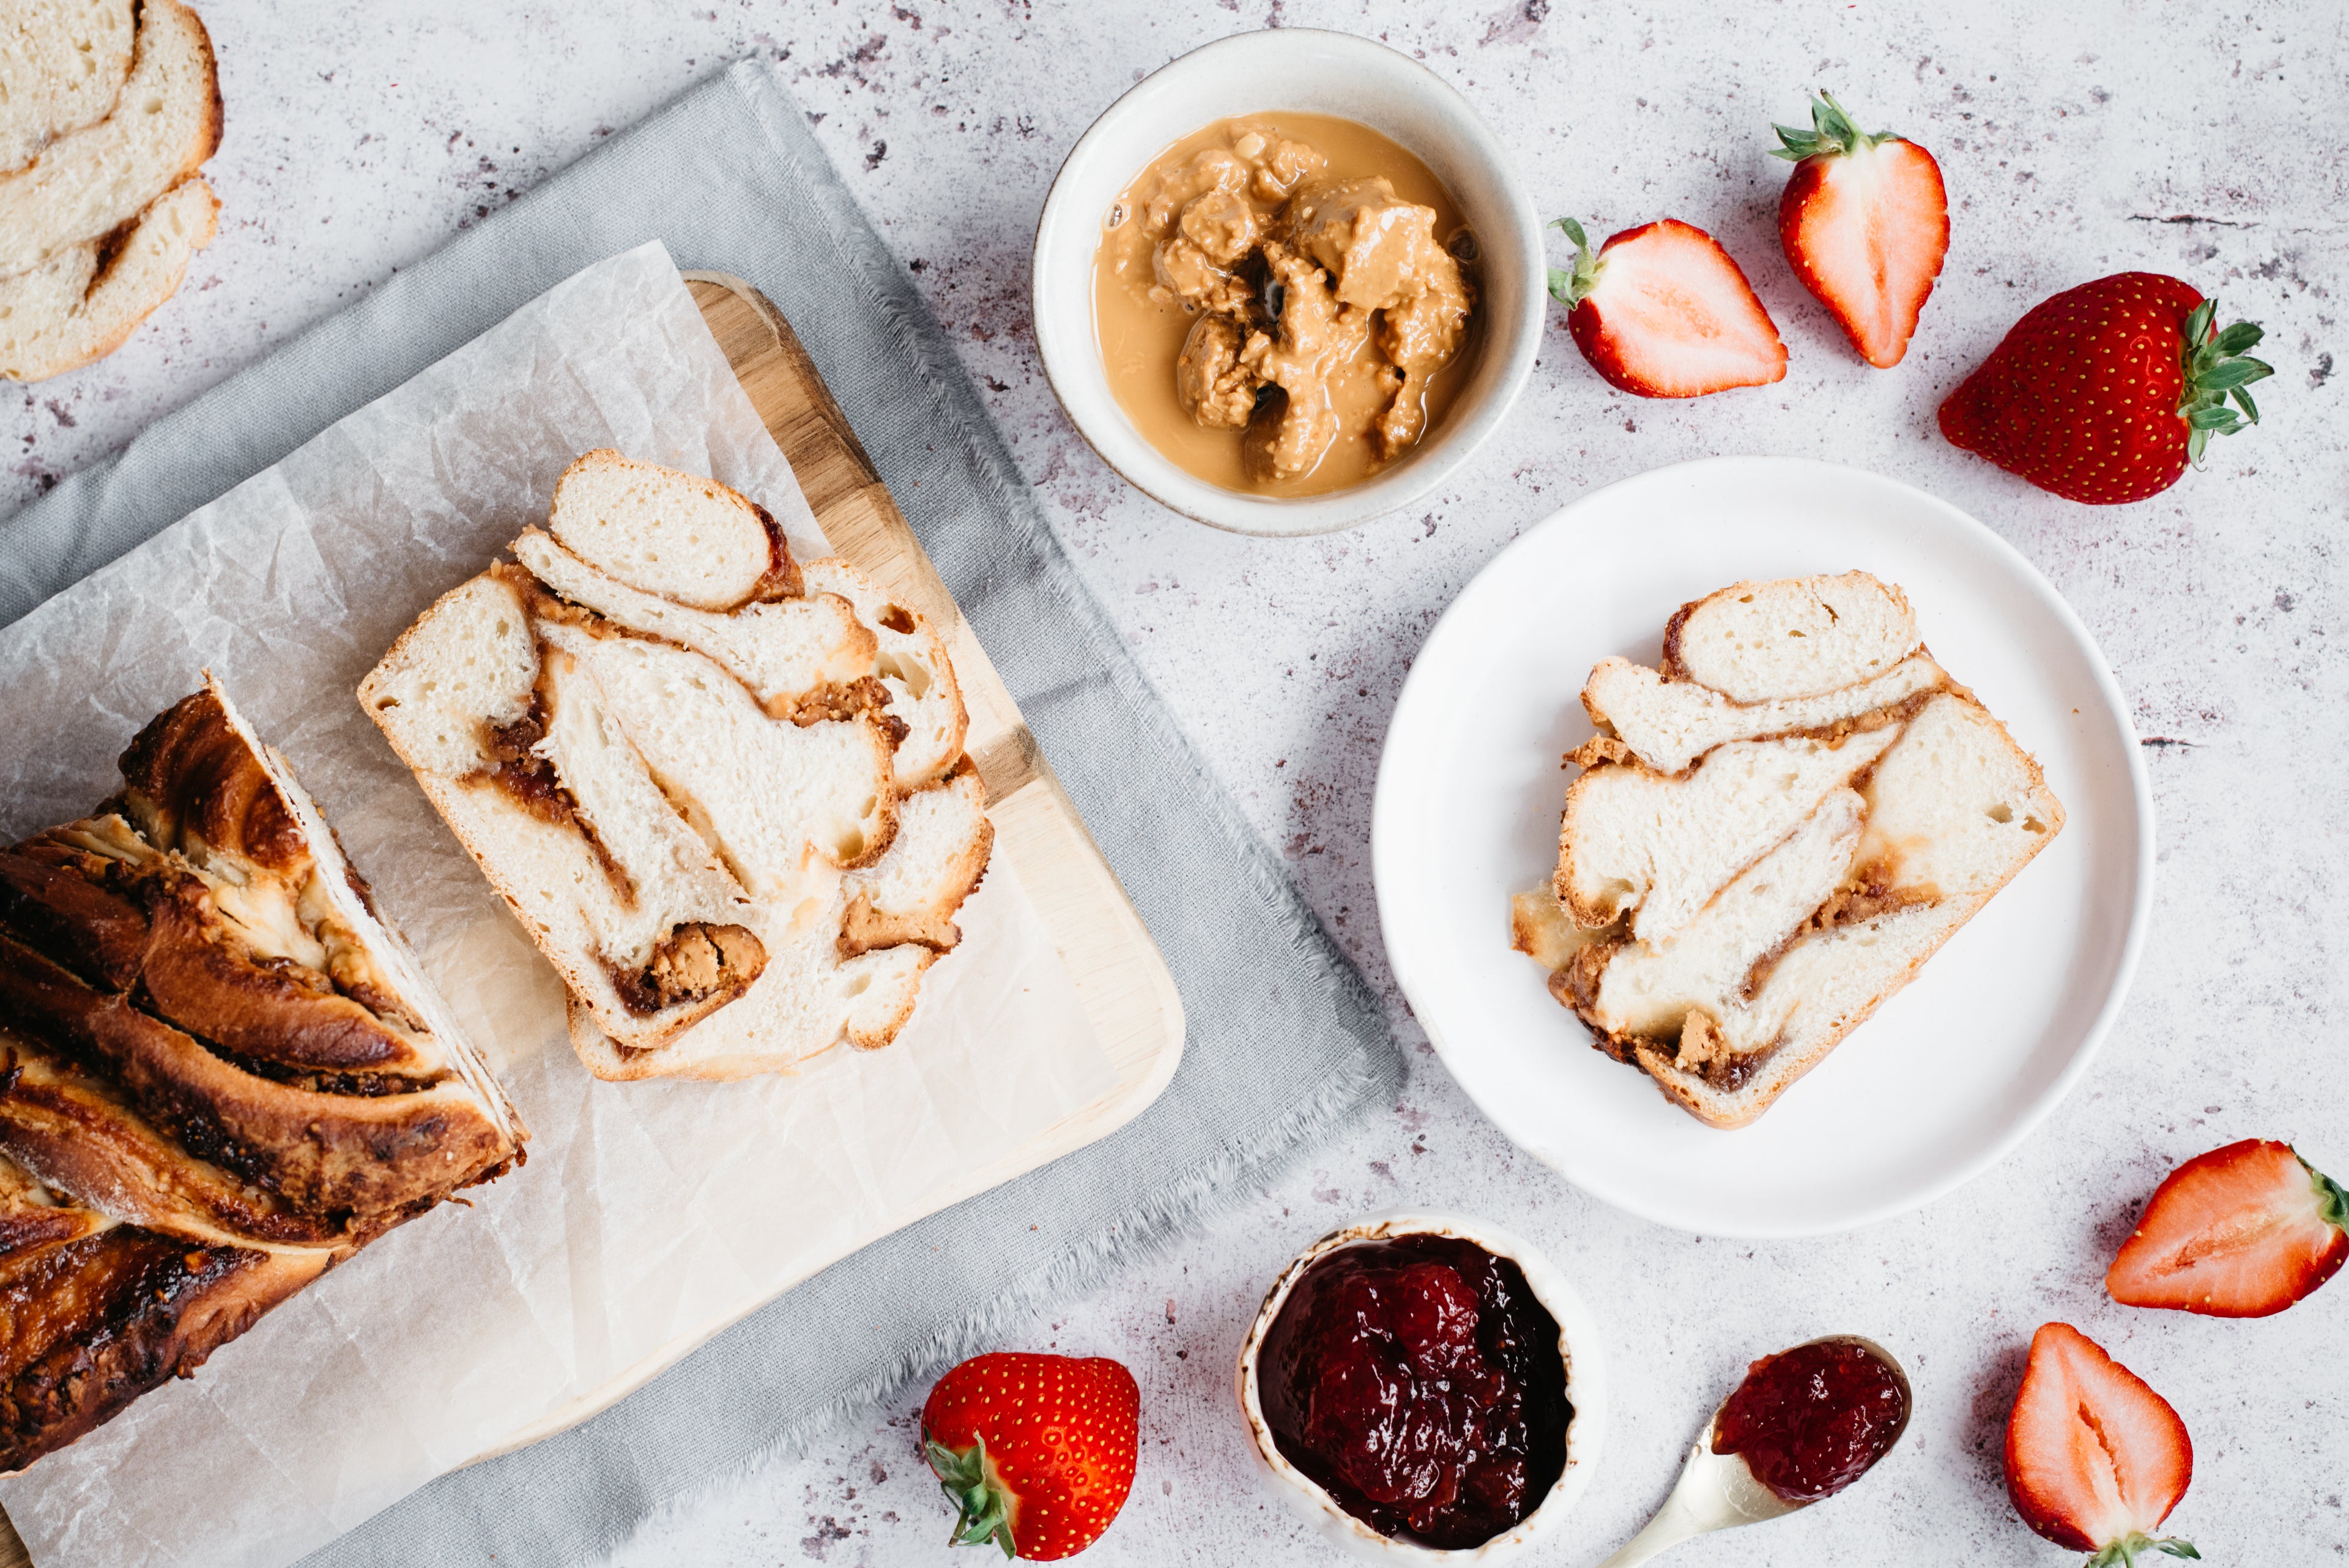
(1283, 1039)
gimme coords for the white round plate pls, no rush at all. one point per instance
(1955, 1068)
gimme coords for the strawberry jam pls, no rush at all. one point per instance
(1421, 1386)
(1812, 1421)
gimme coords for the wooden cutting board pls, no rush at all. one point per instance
(1128, 995)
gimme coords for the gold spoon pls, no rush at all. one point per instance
(1718, 1492)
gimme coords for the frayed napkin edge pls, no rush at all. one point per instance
(1149, 1231)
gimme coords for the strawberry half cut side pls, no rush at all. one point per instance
(2241, 1232)
(1662, 311)
(2094, 1459)
(1864, 224)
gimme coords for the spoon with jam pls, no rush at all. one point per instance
(1804, 1424)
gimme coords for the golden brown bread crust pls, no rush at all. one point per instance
(189, 775)
(87, 1326)
(201, 976)
(80, 1135)
(215, 1082)
(157, 926)
(94, 1313)
(335, 1153)
(1670, 664)
(58, 897)
(215, 111)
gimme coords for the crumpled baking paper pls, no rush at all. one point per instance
(649, 1215)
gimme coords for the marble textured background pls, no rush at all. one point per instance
(2077, 141)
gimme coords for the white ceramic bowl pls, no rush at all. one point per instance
(1304, 71)
(1586, 1390)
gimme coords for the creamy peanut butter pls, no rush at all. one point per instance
(1285, 303)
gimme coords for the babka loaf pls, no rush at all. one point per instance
(223, 1074)
(1771, 834)
(724, 791)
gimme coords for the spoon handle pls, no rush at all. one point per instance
(1673, 1524)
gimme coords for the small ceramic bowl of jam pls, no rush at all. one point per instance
(1289, 283)
(1425, 1388)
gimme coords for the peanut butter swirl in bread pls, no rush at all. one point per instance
(724, 791)
(1771, 834)
(223, 1074)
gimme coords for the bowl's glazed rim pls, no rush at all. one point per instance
(1070, 357)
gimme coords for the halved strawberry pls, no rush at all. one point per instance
(1662, 311)
(2094, 1460)
(2241, 1232)
(1864, 220)
(1036, 1453)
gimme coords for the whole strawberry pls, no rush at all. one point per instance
(1865, 221)
(2106, 392)
(1036, 1452)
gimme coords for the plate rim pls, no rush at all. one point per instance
(1385, 851)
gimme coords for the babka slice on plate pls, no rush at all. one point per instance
(1771, 834)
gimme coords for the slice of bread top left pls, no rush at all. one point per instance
(226, 1072)
(1770, 835)
(724, 791)
(109, 109)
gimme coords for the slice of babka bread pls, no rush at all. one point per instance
(107, 109)
(65, 62)
(1771, 834)
(85, 301)
(164, 121)
(724, 790)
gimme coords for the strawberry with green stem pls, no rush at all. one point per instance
(1036, 1453)
(2241, 1232)
(1662, 311)
(2105, 392)
(1865, 223)
(2094, 1459)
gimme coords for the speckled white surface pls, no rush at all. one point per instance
(2077, 139)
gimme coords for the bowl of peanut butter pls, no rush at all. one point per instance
(1289, 283)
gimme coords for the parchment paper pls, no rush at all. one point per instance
(647, 1213)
